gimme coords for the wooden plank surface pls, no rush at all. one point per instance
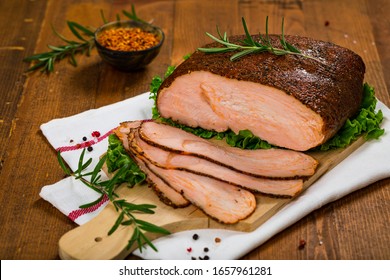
(355, 227)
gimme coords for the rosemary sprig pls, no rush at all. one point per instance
(133, 15)
(45, 61)
(250, 46)
(126, 209)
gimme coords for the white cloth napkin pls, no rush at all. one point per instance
(368, 164)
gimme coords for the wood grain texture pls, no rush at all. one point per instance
(355, 227)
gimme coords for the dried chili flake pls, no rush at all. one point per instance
(127, 39)
(189, 250)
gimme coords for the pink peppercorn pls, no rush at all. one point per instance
(95, 134)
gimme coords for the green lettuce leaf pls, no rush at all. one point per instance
(367, 122)
(118, 157)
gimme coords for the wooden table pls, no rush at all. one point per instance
(355, 227)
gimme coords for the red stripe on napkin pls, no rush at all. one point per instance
(79, 212)
(84, 144)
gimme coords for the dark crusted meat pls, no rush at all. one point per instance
(290, 101)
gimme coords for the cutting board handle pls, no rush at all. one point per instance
(92, 242)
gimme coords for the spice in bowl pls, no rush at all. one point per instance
(128, 45)
(127, 39)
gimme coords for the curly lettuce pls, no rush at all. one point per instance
(367, 122)
(117, 157)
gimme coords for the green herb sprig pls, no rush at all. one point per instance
(45, 61)
(83, 45)
(107, 188)
(250, 46)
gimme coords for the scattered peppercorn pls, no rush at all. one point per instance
(127, 39)
(71, 141)
(84, 138)
(302, 244)
(193, 258)
(327, 23)
(217, 240)
(206, 257)
(195, 237)
(206, 249)
(90, 149)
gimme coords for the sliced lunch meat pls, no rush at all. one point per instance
(124, 129)
(197, 165)
(276, 163)
(166, 194)
(289, 101)
(219, 200)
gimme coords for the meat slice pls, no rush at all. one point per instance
(289, 101)
(276, 163)
(164, 191)
(166, 194)
(219, 200)
(123, 130)
(197, 165)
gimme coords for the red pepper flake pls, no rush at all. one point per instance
(217, 240)
(71, 140)
(127, 39)
(95, 134)
(189, 250)
(302, 244)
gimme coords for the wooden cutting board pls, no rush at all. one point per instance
(91, 241)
